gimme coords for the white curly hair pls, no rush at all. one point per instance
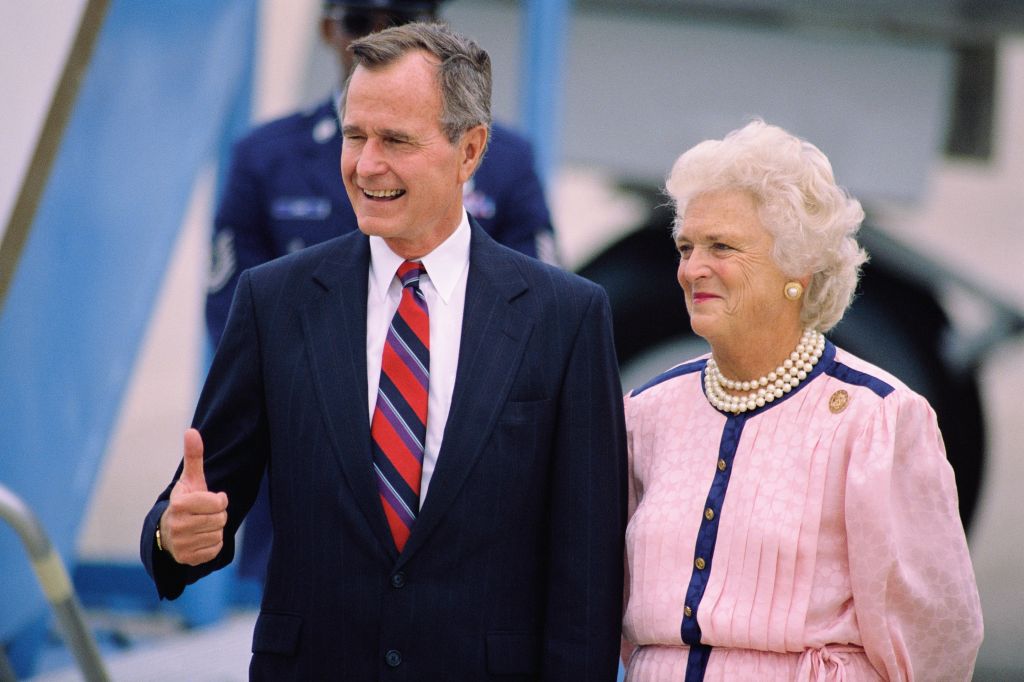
(813, 220)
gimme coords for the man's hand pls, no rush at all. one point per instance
(192, 526)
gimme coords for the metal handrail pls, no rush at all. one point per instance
(53, 578)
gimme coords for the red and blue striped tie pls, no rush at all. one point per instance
(399, 425)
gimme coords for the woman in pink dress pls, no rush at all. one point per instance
(792, 512)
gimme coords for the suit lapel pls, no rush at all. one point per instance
(334, 328)
(494, 335)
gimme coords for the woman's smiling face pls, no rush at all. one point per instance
(731, 283)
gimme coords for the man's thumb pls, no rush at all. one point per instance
(192, 471)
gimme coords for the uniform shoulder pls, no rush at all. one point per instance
(285, 131)
(508, 146)
(503, 135)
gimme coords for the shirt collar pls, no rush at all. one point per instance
(444, 264)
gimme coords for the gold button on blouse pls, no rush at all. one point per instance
(709, 513)
(721, 465)
(699, 563)
(687, 611)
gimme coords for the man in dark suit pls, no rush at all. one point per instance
(447, 490)
(283, 194)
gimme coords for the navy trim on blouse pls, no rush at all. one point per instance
(677, 371)
(704, 551)
(849, 375)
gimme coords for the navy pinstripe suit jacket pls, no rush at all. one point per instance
(514, 566)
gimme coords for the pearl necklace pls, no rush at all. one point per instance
(767, 388)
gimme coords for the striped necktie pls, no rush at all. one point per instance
(399, 425)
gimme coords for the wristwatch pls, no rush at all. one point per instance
(159, 545)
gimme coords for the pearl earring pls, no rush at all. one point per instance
(793, 290)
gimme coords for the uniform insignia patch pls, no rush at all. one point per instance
(300, 208)
(325, 130)
(478, 204)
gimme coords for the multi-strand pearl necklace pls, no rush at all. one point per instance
(769, 387)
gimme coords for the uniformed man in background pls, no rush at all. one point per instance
(284, 192)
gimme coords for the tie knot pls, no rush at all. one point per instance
(409, 272)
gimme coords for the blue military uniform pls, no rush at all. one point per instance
(284, 192)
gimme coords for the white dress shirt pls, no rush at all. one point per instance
(444, 287)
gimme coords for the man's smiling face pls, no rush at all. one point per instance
(402, 174)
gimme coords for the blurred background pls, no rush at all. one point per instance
(118, 117)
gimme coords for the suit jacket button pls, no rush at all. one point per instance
(398, 580)
(393, 658)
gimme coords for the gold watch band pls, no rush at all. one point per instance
(159, 545)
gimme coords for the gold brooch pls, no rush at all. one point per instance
(838, 402)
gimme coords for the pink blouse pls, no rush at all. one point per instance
(816, 538)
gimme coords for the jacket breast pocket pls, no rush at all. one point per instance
(513, 653)
(276, 633)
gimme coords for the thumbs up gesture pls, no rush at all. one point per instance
(192, 526)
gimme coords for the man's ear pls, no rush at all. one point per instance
(471, 151)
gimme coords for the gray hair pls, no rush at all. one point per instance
(814, 221)
(464, 71)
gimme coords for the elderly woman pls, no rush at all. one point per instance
(792, 512)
